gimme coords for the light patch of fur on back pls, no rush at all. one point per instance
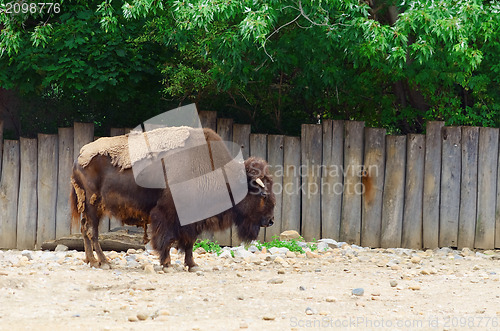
(117, 148)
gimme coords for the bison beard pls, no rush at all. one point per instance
(103, 189)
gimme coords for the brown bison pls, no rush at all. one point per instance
(101, 187)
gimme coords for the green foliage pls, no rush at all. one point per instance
(274, 64)
(208, 246)
(292, 245)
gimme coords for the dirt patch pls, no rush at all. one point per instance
(278, 290)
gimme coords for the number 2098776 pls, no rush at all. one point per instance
(32, 8)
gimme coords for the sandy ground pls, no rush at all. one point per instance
(403, 290)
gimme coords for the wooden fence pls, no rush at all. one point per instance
(338, 180)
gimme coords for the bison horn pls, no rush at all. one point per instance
(259, 181)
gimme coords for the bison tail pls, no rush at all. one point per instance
(77, 202)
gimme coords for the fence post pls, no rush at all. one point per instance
(290, 210)
(450, 187)
(311, 150)
(275, 159)
(27, 207)
(412, 214)
(468, 187)
(332, 178)
(63, 214)
(9, 191)
(225, 130)
(47, 187)
(258, 148)
(497, 222)
(208, 119)
(486, 188)
(373, 186)
(1, 144)
(432, 185)
(350, 225)
(394, 191)
(241, 137)
(83, 133)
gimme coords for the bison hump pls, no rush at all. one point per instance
(142, 145)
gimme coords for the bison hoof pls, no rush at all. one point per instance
(194, 268)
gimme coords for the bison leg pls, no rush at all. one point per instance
(145, 238)
(95, 218)
(188, 258)
(87, 244)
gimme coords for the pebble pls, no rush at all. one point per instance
(311, 255)
(281, 272)
(414, 287)
(290, 254)
(275, 281)
(133, 318)
(416, 259)
(358, 291)
(268, 317)
(142, 316)
(302, 288)
(331, 299)
(393, 283)
(289, 234)
(149, 269)
(310, 311)
(61, 248)
(131, 251)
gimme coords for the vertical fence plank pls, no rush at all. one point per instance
(290, 210)
(412, 213)
(450, 187)
(113, 221)
(241, 137)
(1, 144)
(258, 148)
(225, 130)
(468, 188)
(275, 159)
(9, 190)
(47, 187)
(83, 133)
(497, 222)
(311, 150)
(332, 178)
(350, 224)
(432, 185)
(63, 214)
(208, 119)
(486, 188)
(27, 207)
(394, 190)
(373, 186)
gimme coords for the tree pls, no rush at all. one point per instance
(277, 64)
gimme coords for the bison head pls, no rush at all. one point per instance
(257, 208)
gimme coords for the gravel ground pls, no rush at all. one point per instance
(338, 286)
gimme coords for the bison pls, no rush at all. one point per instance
(101, 187)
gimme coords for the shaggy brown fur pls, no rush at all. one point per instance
(101, 188)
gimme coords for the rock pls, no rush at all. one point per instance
(131, 251)
(416, 259)
(275, 281)
(425, 272)
(225, 254)
(133, 318)
(264, 250)
(311, 255)
(393, 283)
(279, 260)
(331, 299)
(27, 254)
(414, 287)
(163, 312)
(253, 249)
(199, 273)
(310, 311)
(358, 291)
(322, 246)
(395, 267)
(268, 317)
(241, 252)
(330, 242)
(489, 252)
(289, 235)
(200, 250)
(149, 269)
(281, 272)
(290, 254)
(142, 316)
(240, 297)
(61, 248)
